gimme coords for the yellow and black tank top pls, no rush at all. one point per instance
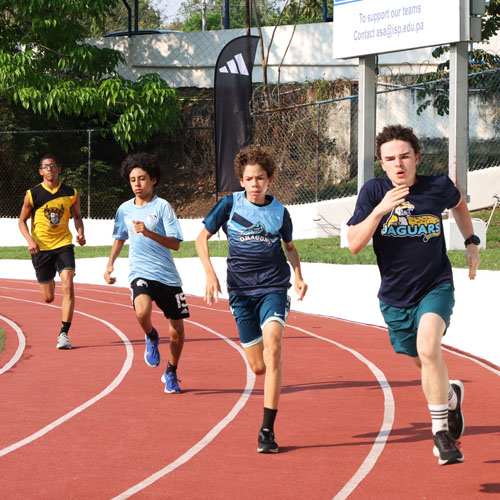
(51, 214)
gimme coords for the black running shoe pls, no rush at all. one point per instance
(456, 421)
(445, 449)
(267, 444)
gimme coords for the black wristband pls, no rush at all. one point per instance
(472, 239)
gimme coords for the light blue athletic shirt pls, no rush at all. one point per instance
(147, 258)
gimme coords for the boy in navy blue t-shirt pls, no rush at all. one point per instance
(258, 275)
(403, 214)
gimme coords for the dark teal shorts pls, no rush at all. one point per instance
(254, 311)
(402, 322)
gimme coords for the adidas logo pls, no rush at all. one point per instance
(142, 283)
(184, 311)
(236, 66)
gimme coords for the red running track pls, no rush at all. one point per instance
(94, 422)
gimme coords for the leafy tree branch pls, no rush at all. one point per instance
(48, 68)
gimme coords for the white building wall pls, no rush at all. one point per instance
(401, 107)
(188, 59)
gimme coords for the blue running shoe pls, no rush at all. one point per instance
(152, 354)
(171, 383)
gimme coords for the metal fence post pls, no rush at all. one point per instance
(367, 107)
(459, 115)
(317, 151)
(89, 170)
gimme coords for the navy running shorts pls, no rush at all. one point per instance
(252, 312)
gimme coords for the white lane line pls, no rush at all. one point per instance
(113, 385)
(128, 295)
(21, 345)
(474, 359)
(211, 435)
(371, 458)
(387, 421)
(356, 479)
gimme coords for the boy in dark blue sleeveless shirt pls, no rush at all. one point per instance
(403, 214)
(258, 275)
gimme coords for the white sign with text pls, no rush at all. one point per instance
(363, 27)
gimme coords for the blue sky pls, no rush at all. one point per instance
(169, 8)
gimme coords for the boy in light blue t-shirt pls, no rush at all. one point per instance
(154, 230)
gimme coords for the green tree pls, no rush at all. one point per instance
(194, 22)
(303, 12)
(47, 67)
(293, 12)
(437, 92)
(190, 12)
(116, 18)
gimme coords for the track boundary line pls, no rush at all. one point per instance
(211, 435)
(387, 421)
(20, 346)
(113, 385)
(471, 357)
(366, 466)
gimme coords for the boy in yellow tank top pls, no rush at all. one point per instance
(49, 206)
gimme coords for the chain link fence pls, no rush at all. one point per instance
(315, 145)
(91, 162)
(87, 158)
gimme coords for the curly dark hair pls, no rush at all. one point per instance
(397, 133)
(254, 155)
(148, 162)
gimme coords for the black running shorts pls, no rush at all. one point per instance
(48, 262)
(170, 299)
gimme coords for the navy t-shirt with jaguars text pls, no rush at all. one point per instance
(409, 241)
(256, 263)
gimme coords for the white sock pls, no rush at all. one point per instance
(452, 398)
(439, 416)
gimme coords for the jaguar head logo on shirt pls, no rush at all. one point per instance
(401, 223)
(54, 215)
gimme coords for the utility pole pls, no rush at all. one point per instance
(203, 15)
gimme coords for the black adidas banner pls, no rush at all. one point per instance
(233, 90)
